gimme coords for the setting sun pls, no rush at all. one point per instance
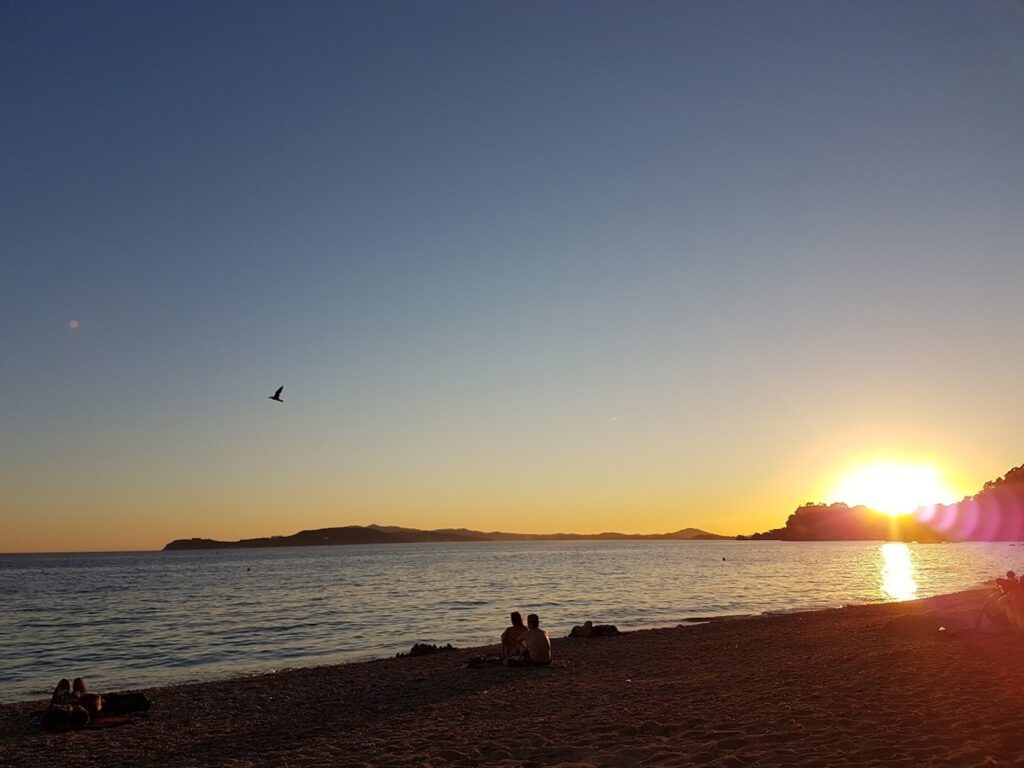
(892, 486)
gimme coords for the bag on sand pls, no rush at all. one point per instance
(125, 703)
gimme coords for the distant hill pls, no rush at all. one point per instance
(390, 534)
(995, 513)
(684, 534)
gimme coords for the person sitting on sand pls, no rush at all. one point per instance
(1007, 584)
(71, 706)
(76, 694)
(1011, 605)
(510, 637)
(1005, 606)
(534, 647)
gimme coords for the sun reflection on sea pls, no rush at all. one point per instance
(898, 571)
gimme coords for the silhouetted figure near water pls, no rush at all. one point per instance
(510, 637)
(1005, 606)
(1007, 584)
(277, 395)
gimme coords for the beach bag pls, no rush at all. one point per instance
(125, 703)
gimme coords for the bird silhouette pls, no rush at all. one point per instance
(276, 395)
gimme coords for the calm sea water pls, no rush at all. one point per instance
(129, 620)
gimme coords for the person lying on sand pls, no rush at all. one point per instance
(534, 647)
(590, 629)
(510, 637)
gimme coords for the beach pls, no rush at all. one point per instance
(897, 684)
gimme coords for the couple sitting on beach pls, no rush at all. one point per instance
(523, 646)
(71, 706)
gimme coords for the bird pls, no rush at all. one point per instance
(277, 395)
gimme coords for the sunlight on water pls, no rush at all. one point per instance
(898, 572)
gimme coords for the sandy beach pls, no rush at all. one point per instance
(903, 684)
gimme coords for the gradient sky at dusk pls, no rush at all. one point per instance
(527, 266)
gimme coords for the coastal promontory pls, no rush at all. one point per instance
(995, 513)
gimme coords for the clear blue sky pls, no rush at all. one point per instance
(520, 266)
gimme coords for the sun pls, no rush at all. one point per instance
(895, 487)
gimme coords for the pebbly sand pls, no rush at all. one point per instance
(867, 686)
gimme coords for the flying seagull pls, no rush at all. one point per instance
(276, 395)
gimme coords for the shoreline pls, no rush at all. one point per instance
(906, 683)
(193, 633)
(371, 656)
(375, 656)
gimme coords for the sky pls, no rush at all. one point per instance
(522, 266)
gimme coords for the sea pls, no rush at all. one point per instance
(141, 619)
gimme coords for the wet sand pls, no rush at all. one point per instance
(866, 686)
